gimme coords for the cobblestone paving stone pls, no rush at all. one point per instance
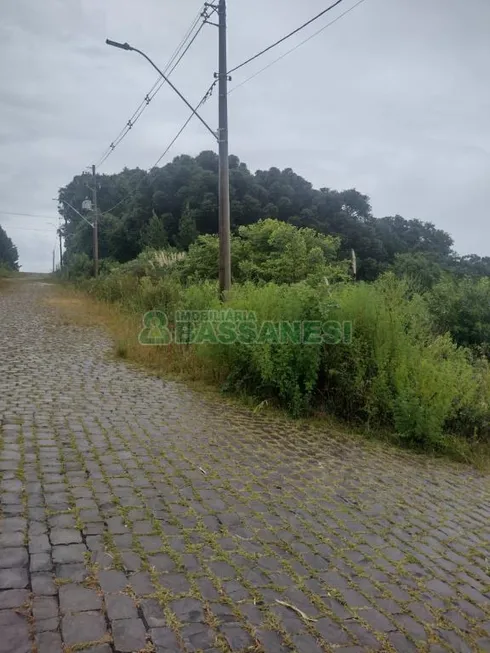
(137, 515)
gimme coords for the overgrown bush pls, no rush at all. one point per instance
(269, 251)
(137, 294)
(395, 373)
(78, 267)
(462, 308)
(387, 368)
(286, 371)
(423, 269)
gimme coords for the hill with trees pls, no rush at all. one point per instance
(410, 326)
(174, 204)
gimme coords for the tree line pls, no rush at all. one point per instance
(172, 205)
(9, 256)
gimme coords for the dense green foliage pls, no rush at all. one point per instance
(269, 250)
(9, 258)
(395, 372)
(173, 205)
(417, 316)
(413, 359)
(462, 308)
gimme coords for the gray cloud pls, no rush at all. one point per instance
(392, 99)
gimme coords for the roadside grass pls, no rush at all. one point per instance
(180, 363)
(4, 275)
(8, 278)
(176, 361)
(5, 282)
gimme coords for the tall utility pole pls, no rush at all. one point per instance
(222, 137)
(54, 266)
(224, 170)
(61, 249)
(96, 224)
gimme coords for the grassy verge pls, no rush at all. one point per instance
(175, 361)
(4, 275)
(180, 363)
(5, 282)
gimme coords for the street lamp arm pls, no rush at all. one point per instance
(126, 46)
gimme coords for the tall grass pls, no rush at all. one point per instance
(395, 372)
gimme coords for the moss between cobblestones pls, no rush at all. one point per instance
(316, 518)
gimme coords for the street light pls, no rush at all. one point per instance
(221, 136)
(126, 46)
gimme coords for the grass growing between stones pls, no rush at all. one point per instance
(270, 535)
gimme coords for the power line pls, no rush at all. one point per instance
(27, 215)
(284, 38)
(203, 100)
(148, 97)
(10, 227)
(209, 91)
(309, 38)
(172, 64)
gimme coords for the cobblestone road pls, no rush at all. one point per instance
(139, 516)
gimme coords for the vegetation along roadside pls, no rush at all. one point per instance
(414, 362)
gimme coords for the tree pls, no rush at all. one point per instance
(9, 257)
(462, 307)
(154, 234)
(423, 269)
(183, 195)
(269, 250)
(187, 228)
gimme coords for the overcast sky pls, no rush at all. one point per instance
(393, 100)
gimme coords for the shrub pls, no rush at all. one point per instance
(288, 372)
(137, 294)
(269, 251)
(463, 309)
(393, 373)
(78, 267)
(422, 268)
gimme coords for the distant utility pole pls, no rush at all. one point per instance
(54, 268)
(96, 223)
(61, 249)
(224, 168)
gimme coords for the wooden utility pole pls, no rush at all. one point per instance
(61, 249)
(96, 224)
(224, 170)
